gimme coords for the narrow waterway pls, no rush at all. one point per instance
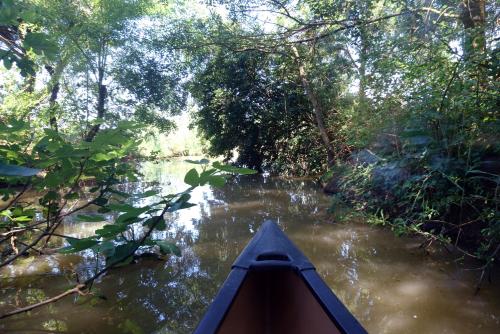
(389, 284)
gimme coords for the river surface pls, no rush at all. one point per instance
(389, 283)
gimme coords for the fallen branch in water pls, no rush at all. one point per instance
(80, 288)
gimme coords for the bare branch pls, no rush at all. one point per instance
(16, 198)
(80, 288)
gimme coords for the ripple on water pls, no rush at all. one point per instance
(387, 282)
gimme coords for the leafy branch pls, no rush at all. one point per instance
(109, 241)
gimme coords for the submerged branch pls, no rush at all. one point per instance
(80, 288)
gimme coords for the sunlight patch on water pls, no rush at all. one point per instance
(389, 284)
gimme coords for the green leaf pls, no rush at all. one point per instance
(131, 216)
(127, 219)
(232, 169)
(104, 156)
(107, 138)
(104, 210)
(181, 203)
(121, 207)
(198, 162)
(90, 218)
(205, 175)
(148, 193)
(111, 230)
(13, 170)
(5, 213)
(123, 254)
(41, 44)
(192, 177)
(49, 196)
(72, 196)
(107, 248)
(160, 225)
(129, 125)
(186, 205)
(101, 201)
(53, 179)
(22, 219)
(168, 248)
(217, 181)
(7, 62)
(77, 245)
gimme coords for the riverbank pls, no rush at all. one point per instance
(443, 200)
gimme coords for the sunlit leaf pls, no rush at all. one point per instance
(22, 219)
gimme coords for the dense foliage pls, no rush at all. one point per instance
(246, 104)
(394, 101)
(413, 85)
(82, 87)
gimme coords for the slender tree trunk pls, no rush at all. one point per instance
(318, 110)
(363, 55)
(54, 91)
(101, 105)
(473, 17)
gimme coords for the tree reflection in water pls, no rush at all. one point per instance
(385, 281)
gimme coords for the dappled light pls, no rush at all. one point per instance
(345, 152)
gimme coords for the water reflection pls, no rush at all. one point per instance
(387, 282)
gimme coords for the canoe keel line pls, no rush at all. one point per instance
(274, 289)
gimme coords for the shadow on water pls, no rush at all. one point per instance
(387, 282)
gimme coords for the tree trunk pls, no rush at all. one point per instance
(318, 110)
(363, 56)
(473, 17)
(101, 105)
(54, 91)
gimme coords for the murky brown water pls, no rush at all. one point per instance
(387, 282)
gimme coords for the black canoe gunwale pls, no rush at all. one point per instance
(270, 249)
